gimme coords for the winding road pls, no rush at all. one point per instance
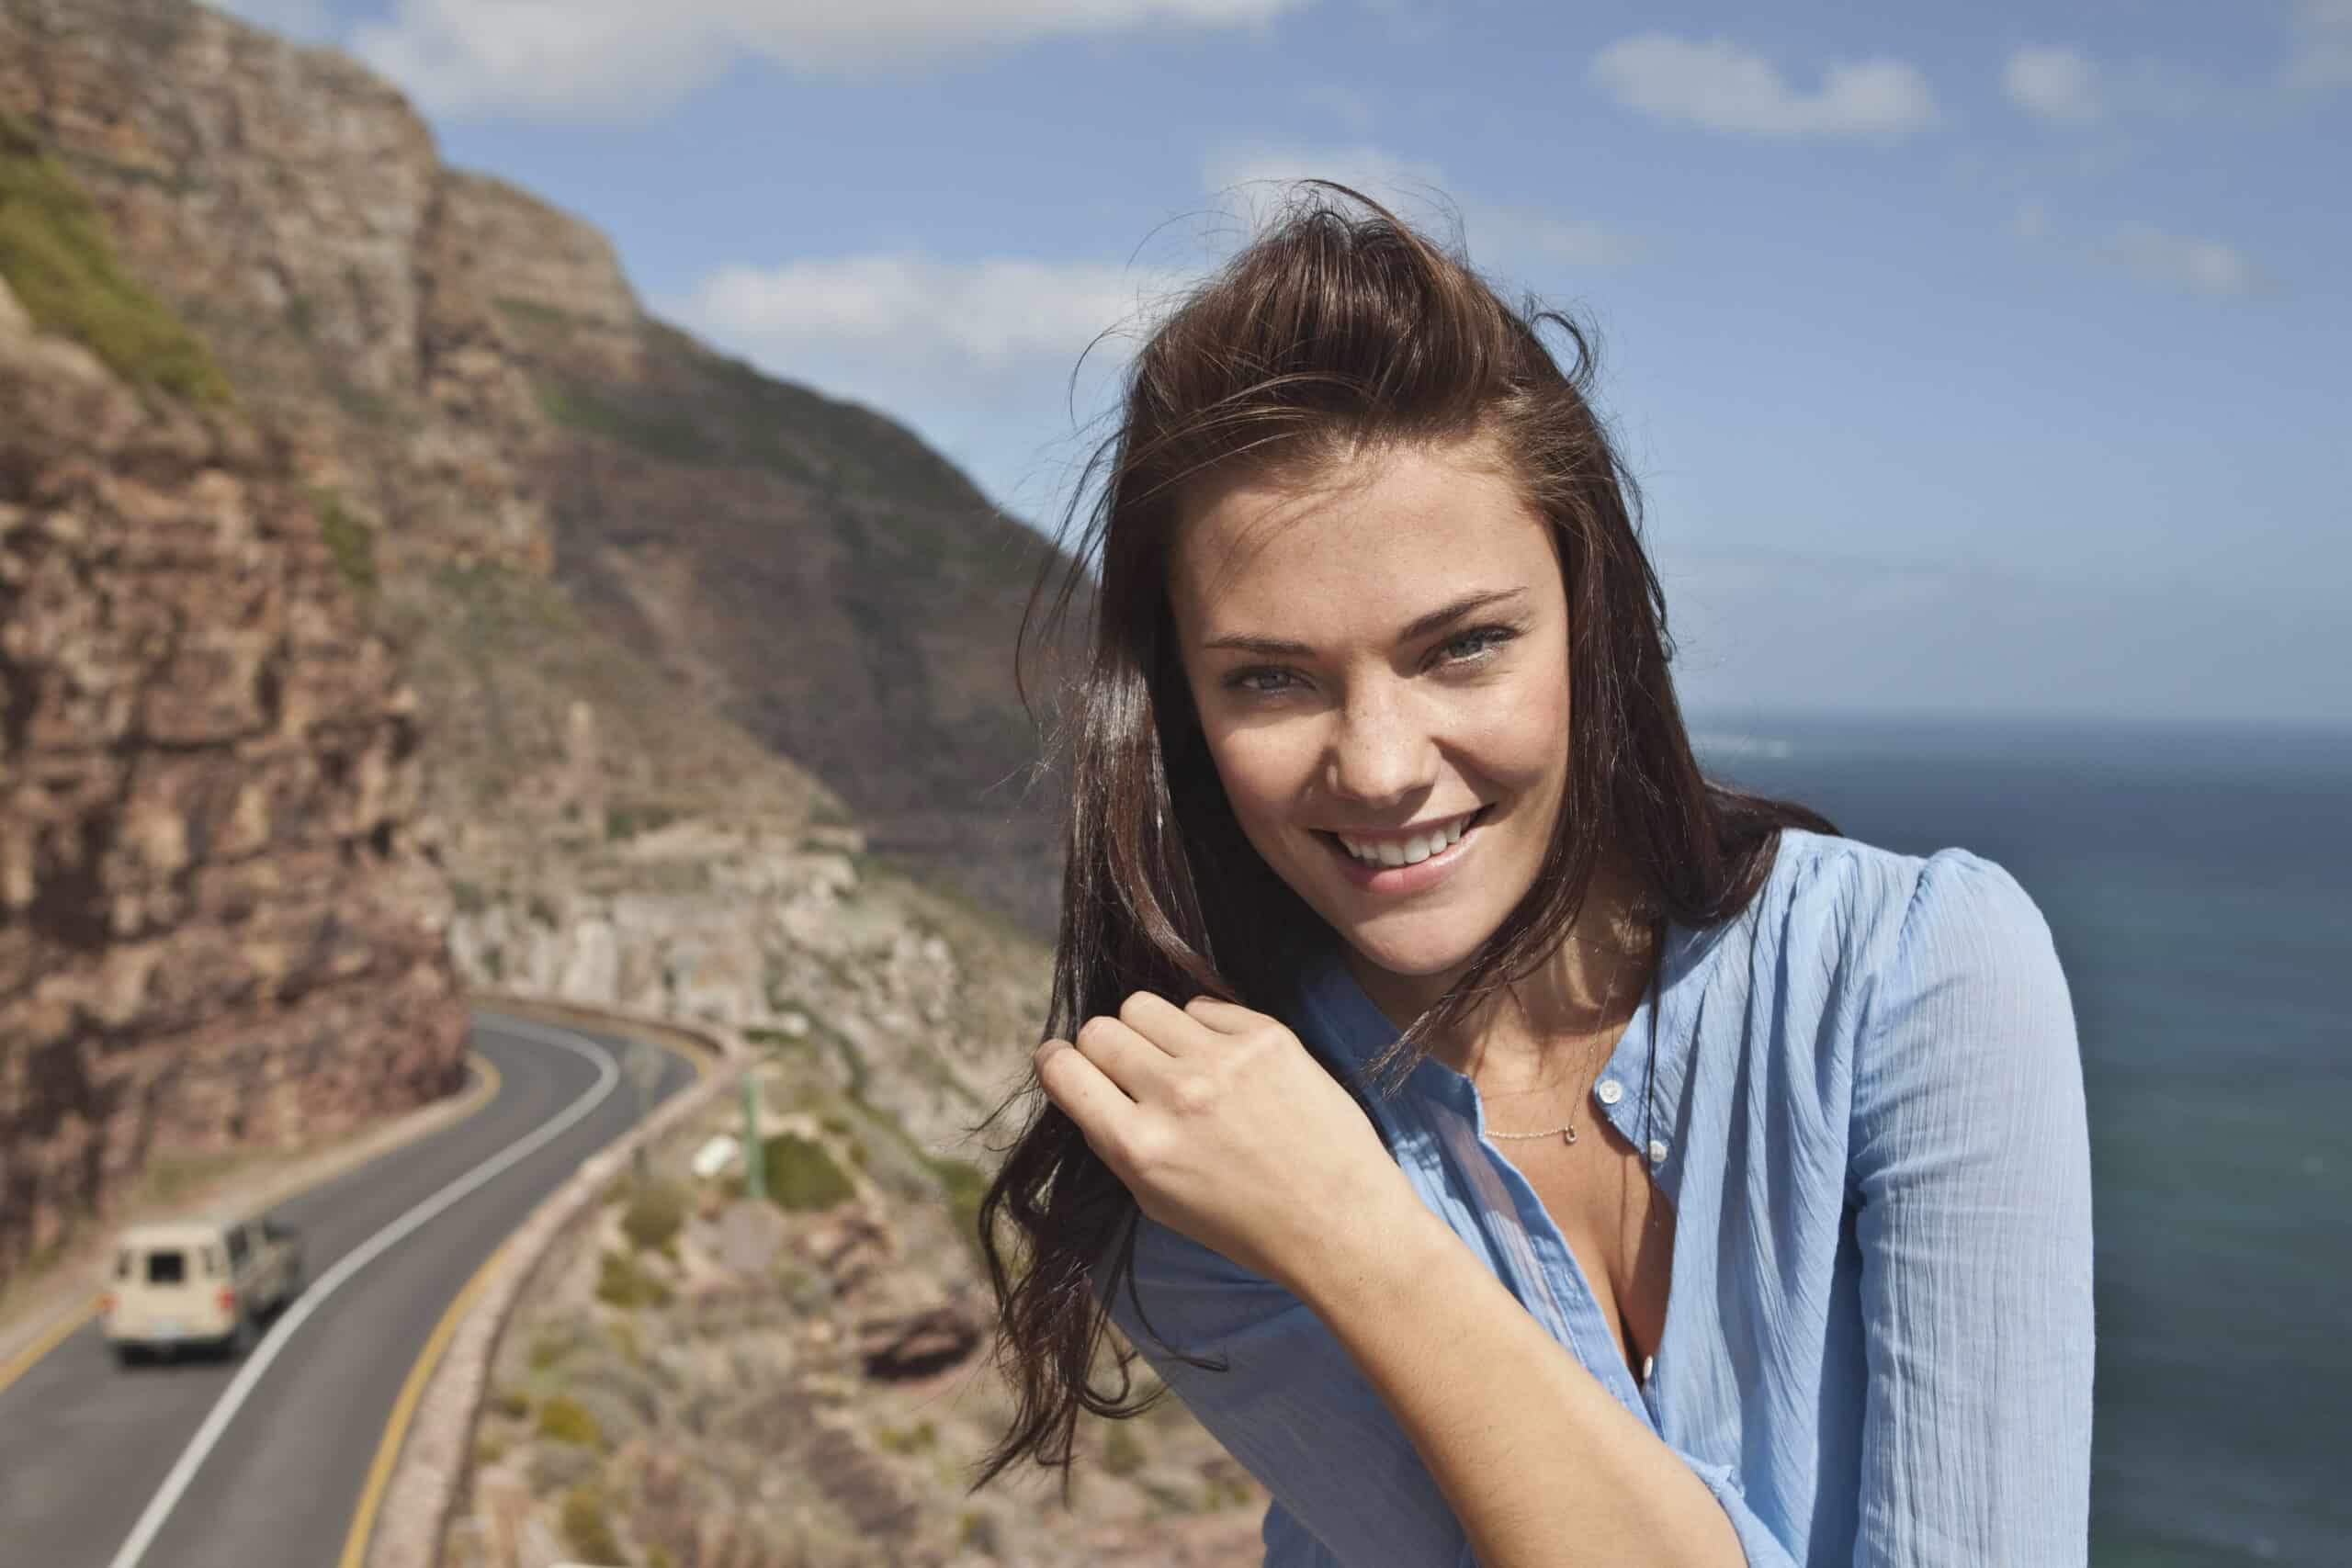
(263, 1463)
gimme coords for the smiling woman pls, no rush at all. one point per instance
(1382, 812)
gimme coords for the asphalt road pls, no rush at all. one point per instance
(87, 1446)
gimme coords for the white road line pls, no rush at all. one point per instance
(232, 1398)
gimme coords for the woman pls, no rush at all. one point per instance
(1513, 1147)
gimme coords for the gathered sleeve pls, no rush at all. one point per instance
(1970, 1165)
(1349, 1489)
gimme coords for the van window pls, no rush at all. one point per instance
(166, 1267)
(237, 1246)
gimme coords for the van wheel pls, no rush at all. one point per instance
(126, 1354)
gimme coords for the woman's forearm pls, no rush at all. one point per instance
(1539, 1461)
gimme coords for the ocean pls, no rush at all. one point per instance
(2197, 882)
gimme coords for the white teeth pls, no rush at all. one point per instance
(1409, 852)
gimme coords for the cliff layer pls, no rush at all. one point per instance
(218, 925)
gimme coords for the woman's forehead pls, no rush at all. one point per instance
(1380, 542)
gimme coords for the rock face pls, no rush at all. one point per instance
(466, 371)
(217, 925)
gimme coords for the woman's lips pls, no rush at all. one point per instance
(1397, 880)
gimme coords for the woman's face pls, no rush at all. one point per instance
(1379, 657)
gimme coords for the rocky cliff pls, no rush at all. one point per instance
(629, 582)
(465, 373)
(217, 923)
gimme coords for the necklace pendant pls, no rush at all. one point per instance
(1569, 1135)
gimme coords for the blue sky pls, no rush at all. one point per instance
(1984, 358)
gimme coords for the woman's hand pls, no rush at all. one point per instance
(1226, 1130)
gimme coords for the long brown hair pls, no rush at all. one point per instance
(1337, 329)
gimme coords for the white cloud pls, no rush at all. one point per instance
(2183, 261)
(2054, 83)
(1511, 234)
(1718, 86)
(917, 312)
(2322, 53)
(601, 57)
(2064, 86)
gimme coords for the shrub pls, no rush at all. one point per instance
(802, 1176)
(655, 1212)
(350, 541)
(564, 1419)
(621, 1283)
(918, 1438)
(511, 1402)
(1122, 1455)
(586, 1530)
(967, 1184)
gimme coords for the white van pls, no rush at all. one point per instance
(198, 1284)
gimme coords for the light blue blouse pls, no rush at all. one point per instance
(1864, 1105)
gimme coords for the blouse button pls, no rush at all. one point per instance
(1609, 1090)
(1657, 1151)
(1648, 1364)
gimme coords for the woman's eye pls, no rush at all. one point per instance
(1473, 646)
(1259, 682)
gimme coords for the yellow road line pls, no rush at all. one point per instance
(379, 1473)
(388, 1451)
(25, 1359)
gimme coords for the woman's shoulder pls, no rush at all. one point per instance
(1877, 903)
(1838, 925)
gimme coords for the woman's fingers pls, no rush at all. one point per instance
(1226, 1018)
(1128, 1056)
(1085, 1095)
(1172, 1029)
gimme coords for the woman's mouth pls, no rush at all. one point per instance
(1407, 860)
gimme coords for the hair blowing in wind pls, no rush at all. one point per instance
(1338, 331)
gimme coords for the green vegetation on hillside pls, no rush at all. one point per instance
(349, 540)
(55, 255)
(802, 1176)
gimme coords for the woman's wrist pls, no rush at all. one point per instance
(1368, 1251)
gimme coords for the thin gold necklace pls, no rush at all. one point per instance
(1569, 1132)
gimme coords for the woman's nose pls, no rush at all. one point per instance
(1381, 753)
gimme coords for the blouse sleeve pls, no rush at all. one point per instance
(1349, 1489)
(1970, 1164)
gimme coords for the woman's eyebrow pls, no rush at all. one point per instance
(1469, 603)
(1436, 620)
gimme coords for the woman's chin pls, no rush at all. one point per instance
(1424, 960)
